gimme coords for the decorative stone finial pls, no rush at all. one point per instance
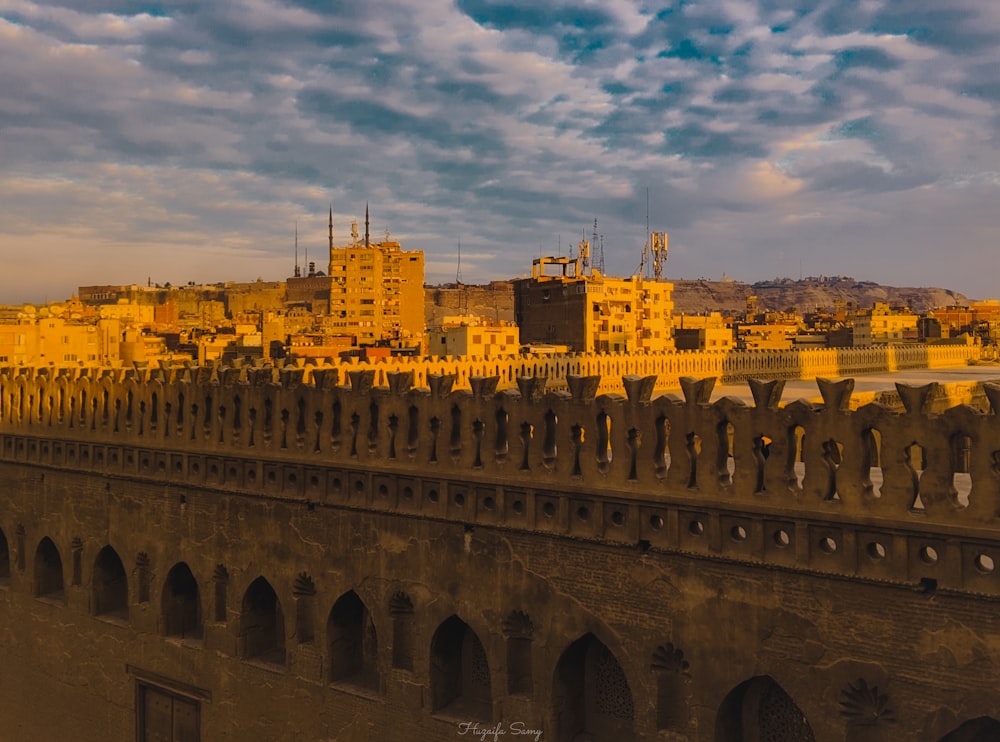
(697, 391)
(483, 386)
(440, 384)
(583, 388)
(639, 388)
(532, 387)
(362, 381)
(400, 382)
(915, 398)
(766, 394)
(836, 394)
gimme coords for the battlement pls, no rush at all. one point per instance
(679, 473)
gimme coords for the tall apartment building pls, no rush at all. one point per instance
(373, 291)
(592, 313)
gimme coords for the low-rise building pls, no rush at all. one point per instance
(474, 337)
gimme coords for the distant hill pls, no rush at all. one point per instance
(805, 295)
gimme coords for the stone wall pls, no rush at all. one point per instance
(295, 559)
(732, 367)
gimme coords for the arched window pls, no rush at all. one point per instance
(591, 695)
(110, 585)
(262, 625)
(761, 709)
(460, 673)
(983, 729)
(181, 603)
(353, 644)
(4, 558)
(48, 571)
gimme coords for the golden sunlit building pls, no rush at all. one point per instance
(592, 313)
(473, 337)
(373, 291)
(47, 341)
(882, 325)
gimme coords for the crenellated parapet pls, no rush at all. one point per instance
(790, 484)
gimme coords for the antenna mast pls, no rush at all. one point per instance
(458, 271)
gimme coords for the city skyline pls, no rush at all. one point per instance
(186, 141)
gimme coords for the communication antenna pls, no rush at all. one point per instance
(658, 247)
(600, 256)
(583, 255)
(458, 271)
(647, 229)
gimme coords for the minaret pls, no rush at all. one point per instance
(297, 273)
(367, 244)
(329, 270)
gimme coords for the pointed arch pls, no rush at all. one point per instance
(110, 585)
(262, 624)
(460, 673)
(983, 729)
(4, 558)
(48, 571)
(759, 708)
(353, 643)
(181, 603)
(591, 694)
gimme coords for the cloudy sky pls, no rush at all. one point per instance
(184, 141)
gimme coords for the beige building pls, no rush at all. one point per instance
(473, 337)
(46, 341)
(377, 290)
(703, 332)
(373, 291)
(592, 313)
(883, 324)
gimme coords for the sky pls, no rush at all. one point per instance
(188, 141)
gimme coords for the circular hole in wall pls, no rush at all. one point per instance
(928, 555)
(518, 507)
(582, 513)
(696, 528)
(489, 503)
(656, 521)
(781, 538)
(549, 509)
(271, 476)
(408, 493)
(359, 486)
(738, 533)
(432, 495)
(460, 499)
(618, 518)
(383, 491)
(875, 550)
(336, 484)
(828, 544)
(314, 481)
(985, 564)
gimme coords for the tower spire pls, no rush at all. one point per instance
(297, 273)
(366, 224)
(329, 269)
